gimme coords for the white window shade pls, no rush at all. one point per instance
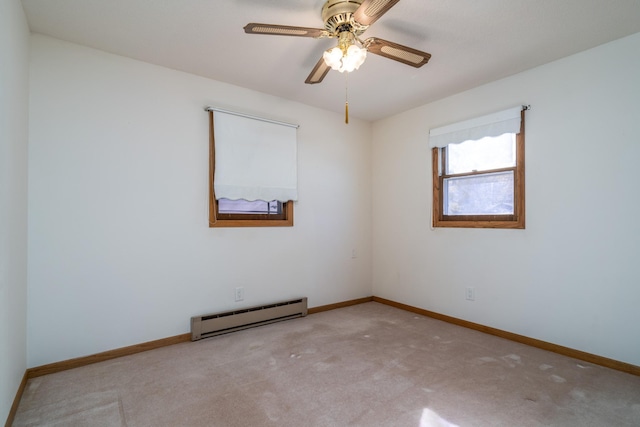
(255, 159)
(496, 124)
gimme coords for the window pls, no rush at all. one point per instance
(257, 210)
(253, 182)
(256, 207)
(478, 172)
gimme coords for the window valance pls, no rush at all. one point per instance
(496, 124)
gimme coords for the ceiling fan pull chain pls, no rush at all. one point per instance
(346, 113)
(346, 98)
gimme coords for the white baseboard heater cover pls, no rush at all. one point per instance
(222, 323)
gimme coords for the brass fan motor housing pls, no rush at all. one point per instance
(337, 16)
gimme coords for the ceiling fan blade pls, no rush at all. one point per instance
(317, 74)
(397, 52)
(284, 30)
(370, 10)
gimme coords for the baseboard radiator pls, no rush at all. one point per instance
(222, 323)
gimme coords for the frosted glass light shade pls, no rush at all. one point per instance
(333, 58)
(350, 61)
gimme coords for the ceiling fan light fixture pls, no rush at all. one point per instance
(347, 56)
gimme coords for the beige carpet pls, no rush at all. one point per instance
(366, 365)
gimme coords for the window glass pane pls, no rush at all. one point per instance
(249, 207)
(483, 154)
(488, 194)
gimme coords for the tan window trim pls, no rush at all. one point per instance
(216, 219)
(515, 221)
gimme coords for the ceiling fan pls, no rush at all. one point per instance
(346, 21)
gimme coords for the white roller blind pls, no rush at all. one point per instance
(496, 124)
(255, 159)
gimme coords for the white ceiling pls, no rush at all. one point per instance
(472, 42)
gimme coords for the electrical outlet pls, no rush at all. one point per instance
(354, 253)
(239, 294)
(470, 294)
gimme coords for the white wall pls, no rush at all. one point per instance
(573, 276)
(14, 95)
(119, 246)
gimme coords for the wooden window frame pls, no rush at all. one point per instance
(216, 219)
(515, 221)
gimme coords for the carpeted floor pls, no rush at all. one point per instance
(365, 365)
